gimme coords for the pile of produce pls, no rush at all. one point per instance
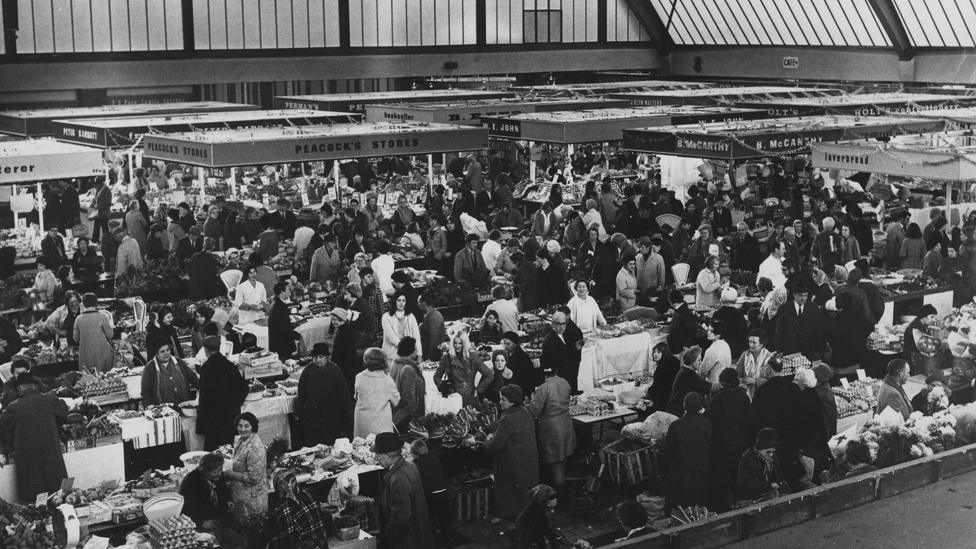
(859, 397)
(89, 421)
(470, 426)
(24, 527)
(98, 384)
(432, 426)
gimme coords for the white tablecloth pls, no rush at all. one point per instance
(629, 354)
(89, 468)
(272, 414)
(315, 330)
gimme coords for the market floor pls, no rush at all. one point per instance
(938, 515)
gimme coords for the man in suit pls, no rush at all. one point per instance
(52, 248)
(281, 335)
(684, 325)
(284, 219)
(561, 350)
(469, 265)
(798, 324)
(190, 245)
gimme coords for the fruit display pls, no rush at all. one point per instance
(431, 426)
(470, 427)
(172, 533)
(24, 527)
(858, 397)
(49, 354)
(99, 384)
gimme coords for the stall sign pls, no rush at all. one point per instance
(502, 127)
(305, 148)
(907, 163)
(357, 102)
(26, 168)
(791, 62)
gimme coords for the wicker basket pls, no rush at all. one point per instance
(630, 467)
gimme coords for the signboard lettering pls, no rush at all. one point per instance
(23, 168)
(859, 159)
(502, 128)
(791, 63)
(703, 145)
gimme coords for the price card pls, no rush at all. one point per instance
(41, 499)
(331, 193)
(844, 383)
(67, 484)
(862, 375)
(713, 250)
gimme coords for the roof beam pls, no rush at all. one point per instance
(652, 25)
(893, 26)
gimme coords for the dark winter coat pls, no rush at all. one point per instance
(516, 458)
(686, 461)
(32, 423)
(404, 523)
(222, 392)
(324, 404)
(729, 413)
(281, 336)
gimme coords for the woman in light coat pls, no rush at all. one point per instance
(136, 225)
(248, 477)
(627, 283)
(398, 324)
(93, 331)
(376, 394)
(708, 285)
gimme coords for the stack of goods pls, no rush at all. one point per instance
(152, 427)
(470, 427)
(103, 388)
(858, 397)
(260, 363)
(792, 363)
(580, 406)
(887, 339)
(149, 484)
(172, 533)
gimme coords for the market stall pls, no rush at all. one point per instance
(944, 158)
(867, 104)
(720, 96)
(356, 102)
(89, 467)
(126, 131)
(40, 122)
(36, 160)
(603, 88)
(469, 113)
(564, 130)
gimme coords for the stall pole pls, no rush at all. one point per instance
(39, 200)
(430, 175)
(335, 177)
(948, 205)
(233, 182)
(132, 170)
(203, 184)
(444, 163)
(531, 163)
(16, 215)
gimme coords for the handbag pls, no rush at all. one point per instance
(92, 213)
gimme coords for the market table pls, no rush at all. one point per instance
(314, 330)
(272, 414)
(587, 421)
(628, 354)
(941, 298)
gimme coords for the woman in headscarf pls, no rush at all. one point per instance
(811, 434)
(298, 519)
(557, 439)
(533, 528)
(516, 455)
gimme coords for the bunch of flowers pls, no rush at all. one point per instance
(937, 400)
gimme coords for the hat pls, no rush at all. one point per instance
(472, 238)
(320, 349)
(553, 247)
(806, 378)
(926, 310)
(936, 375)
(617, 238)
(195, 230)
(823, 372)
(340, 313)
(766, 438)
(232, 251)
(354, 289)
(729, 295)
(644, 241)
(704, 226)
(24, 378)
(400, 276)
(513, 393)
(511, 336)
(211, 342)
(386, 443)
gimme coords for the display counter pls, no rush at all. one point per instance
(625, 355)
(89, 467)
(908, 303)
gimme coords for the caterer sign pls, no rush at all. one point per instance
(45, 166)
(268, 148)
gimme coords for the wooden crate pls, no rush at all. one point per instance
(470, 502)
(630, 467)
